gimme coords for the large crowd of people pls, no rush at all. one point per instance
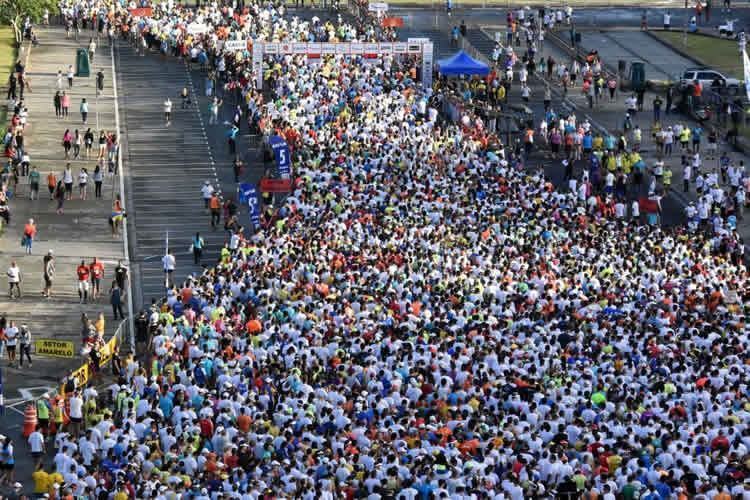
(425, 316)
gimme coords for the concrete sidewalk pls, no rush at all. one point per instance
(83, 231)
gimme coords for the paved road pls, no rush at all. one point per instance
(167, 165)
(662, 63)
(82, 232)
(601, 17)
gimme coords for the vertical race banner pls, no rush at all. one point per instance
(427, 64)
(250, 193)
(258, 64)
(281, 155)
(2, 400)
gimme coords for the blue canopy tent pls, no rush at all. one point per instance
(462, 64)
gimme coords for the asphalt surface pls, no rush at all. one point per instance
(596, 18)
(167, 166)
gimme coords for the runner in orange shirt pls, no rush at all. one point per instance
(214, 204)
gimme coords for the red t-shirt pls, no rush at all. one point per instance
(97, 269)
(83, 273)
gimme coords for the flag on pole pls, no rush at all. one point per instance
(2, 400)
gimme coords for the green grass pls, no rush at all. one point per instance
(722, 55)
(8, 53)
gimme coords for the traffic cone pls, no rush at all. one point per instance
(29, 420)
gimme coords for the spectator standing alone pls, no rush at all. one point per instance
(115, 298)
(99, 82)
(29, 233)
(48, 273)
(84, 110)
(24, 340)
(92, 49)
(11, 342)
(14, 280)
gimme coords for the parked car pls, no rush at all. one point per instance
(710, 78)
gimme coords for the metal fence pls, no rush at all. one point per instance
(84, 373)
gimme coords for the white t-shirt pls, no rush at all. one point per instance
(167, 106)
(168, 262)
(36, 442)
(76, 407)
(11, 335)
(14, 274)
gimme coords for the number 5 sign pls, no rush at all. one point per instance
(281, 155)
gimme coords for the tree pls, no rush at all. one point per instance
(14, 12)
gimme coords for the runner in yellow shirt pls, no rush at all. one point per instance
(41, 480)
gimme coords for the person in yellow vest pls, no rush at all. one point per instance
(89, 412)
(685, 138)
(598, 143)
(58, 415)
(667, 178)
(500, 93)
(226, 254)
(42, 413)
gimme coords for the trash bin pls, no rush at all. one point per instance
(82, 63)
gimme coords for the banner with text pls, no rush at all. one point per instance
(281, 155)
(251, 195)
(54, 348)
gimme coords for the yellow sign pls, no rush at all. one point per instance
(84, 372)
(108, 351)
(81, 375)
(55, 348)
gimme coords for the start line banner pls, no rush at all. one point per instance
(355, 48)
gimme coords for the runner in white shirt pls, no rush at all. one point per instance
(76, 413)
(168, 111)
(36, 444)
